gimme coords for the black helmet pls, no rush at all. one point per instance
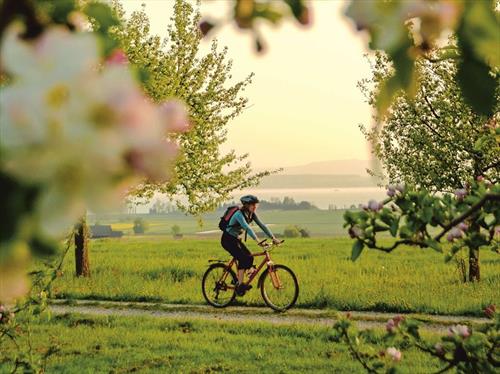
(249, 199)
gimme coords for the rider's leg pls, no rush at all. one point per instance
(241, 274)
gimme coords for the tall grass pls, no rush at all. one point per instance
(408, 280)
(90, 344)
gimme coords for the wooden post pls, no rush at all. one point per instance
(82, 265)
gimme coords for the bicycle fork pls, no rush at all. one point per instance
(273, 274)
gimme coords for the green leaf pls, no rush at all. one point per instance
(474, 76)
(357, 248)
(103, 15)
(481, 28)
(434, 244)
(394, 228)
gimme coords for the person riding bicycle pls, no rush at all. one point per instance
(231, 237)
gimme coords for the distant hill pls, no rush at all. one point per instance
(333, 167)
(315, 181)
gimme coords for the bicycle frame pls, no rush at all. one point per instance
(266, 261)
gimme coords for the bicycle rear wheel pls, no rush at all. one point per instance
(281, 293)
(218, 285)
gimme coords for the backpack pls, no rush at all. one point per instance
(224, 220)
(228, 214)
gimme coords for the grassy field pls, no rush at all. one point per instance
(128, 344)
(155, 268)
(319, 222)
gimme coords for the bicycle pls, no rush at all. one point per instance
(278, 284)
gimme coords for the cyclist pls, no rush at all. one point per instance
(231, 237)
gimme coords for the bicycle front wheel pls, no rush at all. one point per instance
(218, 285)
(281, 289)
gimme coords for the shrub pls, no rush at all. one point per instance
(140, 226)
(304, 233)
(291, 232)
(176, 231)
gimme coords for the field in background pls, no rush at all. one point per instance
(90, 344)
(155, 268)
(319, 222)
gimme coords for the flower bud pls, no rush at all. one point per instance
(439, 349)
(205, 27)
(390, 326)
(490, 310)
(394, 353)
(117, 57)
(374, 205)
(461, 193)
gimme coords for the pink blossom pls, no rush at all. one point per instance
(455, 233)
(175, 116)
(374, 205)
(391, 191)
(461, 193)
(394, 353)
(355, 232)
(490, 310)
(400, 188)
(439, 349)
(117, 57)
(390, 326)
(463, 226)
(398, 319)
(460, 330)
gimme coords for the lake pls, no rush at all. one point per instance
(321, 197)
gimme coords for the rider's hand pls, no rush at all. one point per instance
(262, 243)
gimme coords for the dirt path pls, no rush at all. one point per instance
(245, 314)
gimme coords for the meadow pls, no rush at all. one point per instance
(160, 269)
(318, 222)
(112, 344)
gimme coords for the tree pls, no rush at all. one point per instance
(470, 220)
(432, 140)
(203, 175)
(82, 263)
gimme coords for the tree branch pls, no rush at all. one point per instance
(473, 209)
(430, 105)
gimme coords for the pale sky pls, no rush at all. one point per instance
(305, 105)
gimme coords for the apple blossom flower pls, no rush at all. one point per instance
(85, 134)
(374, 205)
(391, 190)
(460, 193)
(490, 310)
(117, 57)
(393, 353)
(390, 326)
(455, 233)
(460, 330)
(463, 226)
(355, 232)
(439, 349)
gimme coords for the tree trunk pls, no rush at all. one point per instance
(474, 274)
(82, 264)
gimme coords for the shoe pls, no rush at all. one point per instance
(242, 288)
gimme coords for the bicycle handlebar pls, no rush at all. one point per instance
(265, 244)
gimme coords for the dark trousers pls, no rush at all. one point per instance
(238, 250)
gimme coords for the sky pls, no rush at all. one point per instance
(304, 105)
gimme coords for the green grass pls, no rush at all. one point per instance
(319, 222)
(90, 344)
(408, 280)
